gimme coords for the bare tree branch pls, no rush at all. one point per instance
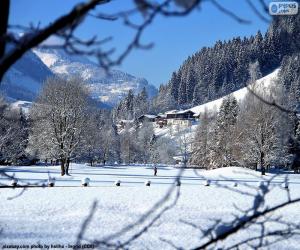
(230, 13)
(257, 12)
(31, 40)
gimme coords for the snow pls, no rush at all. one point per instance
(55, 215)
(171, 111)
(23, 105)
(150, 116)
(109, 88)
(48, 59)
(25, 78)
(174, 131)
(261, 84)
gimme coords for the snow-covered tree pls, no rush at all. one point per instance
(162, 151)
(224, 132)
(201, 145)
(163, 101)
(110, 144)
(141, 103)
(90, 149)
(145, 137)
(58, 120)
(13, 134)
(127, 146)
(262, 132)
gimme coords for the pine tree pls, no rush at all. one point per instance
(190, 85)
(224, 132)
(141, 104)
(200, 93)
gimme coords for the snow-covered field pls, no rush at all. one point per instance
(55, 215)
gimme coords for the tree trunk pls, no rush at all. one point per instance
(262, 163)
(62, 167)
(91, 162)
(4, 7)
(4, 16)
(67, 166)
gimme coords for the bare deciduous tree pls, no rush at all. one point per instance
(262, 133)
(58, 119)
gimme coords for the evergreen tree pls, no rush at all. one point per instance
(224, 132)
(141, 104)
(190, 85)
(200, 91)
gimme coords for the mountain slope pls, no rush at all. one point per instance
(223, 68)
(261, 85)
(25, 78)
(174, 132)
(108, 88)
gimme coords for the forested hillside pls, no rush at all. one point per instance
(219, 70)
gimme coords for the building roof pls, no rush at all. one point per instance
(171, 112)
(161, 116)
(127, 121)
(149, 116)
(185, 111)
(179, 112)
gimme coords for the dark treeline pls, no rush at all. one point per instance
(219, 70)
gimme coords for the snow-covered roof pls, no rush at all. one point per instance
(178, 111)
(149, 116)
(23, 105)
(178, 158)
(184, 111)
(127, 121)
(171, 111)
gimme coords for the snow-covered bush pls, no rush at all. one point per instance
(85, 182)
(51, 182)
(285, 185)
(14, 182)
(207, 183)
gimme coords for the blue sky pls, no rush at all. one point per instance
(174, 38)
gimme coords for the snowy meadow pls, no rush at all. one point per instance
(106, 215)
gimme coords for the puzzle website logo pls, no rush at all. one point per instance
(283, 8)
